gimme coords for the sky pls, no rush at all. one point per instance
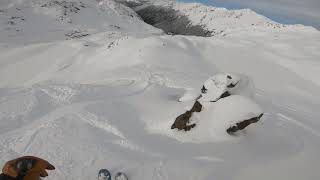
(305, 12)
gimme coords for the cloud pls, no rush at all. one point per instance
(285, 11)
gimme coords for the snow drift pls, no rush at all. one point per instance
(220, 108)
(217, 117)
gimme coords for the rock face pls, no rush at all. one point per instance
(182, 122)
(171, 21)
(238, 112)
(243, 124)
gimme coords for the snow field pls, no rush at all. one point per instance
(107, 100)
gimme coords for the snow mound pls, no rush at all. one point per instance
(220, 109)
(189, 95)
(216, 85)
(216, 118)
(244, 86)
(227, 112)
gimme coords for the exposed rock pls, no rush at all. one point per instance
(197, 107)
(243, 124)
(171, 21)
(225, 94)
(76, 34)
(182, 122)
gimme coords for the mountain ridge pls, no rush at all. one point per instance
(57, 19)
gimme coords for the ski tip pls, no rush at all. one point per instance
(104, 174)
(121, 176)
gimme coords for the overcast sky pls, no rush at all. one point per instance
(284, 11)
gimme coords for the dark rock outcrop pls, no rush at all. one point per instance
(197, 107)
(171, 21)
(182, 121)
(225, 94)
(243, 124)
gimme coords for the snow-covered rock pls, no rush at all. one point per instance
(216, 86)
(213, 121)
(213, 90)
(227, 112)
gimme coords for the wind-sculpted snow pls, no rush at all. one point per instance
(108, 99)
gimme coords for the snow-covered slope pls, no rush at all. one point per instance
(33, 21)
(107, 99)
(222, 21)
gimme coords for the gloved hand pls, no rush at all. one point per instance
(27, 168)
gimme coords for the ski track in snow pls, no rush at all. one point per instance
(93, 120)
(298, 123)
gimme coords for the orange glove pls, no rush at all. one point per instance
(27, 167)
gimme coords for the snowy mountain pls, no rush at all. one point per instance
(51, 20)
(88, 84)
(220, 20)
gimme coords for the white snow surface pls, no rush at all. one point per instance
(88, 85)
(225, 113)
